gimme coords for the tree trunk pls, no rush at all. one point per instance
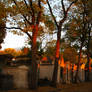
(55, 73)
(88, 55)
(78, 65)
(34, 75)
(34, 68)
(59, 27)
(88, 67)
(57, 55)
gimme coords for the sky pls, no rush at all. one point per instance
(17, 42)
(13, 41)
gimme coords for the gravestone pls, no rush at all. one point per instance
(90, 77)
(82, 75)
(46, 71)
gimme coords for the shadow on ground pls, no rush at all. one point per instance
(44, 86)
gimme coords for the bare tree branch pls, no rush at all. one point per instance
(66, 11)
(62, 21)
(22, 14)
(27, 7)
(29, 35)
(52, 13)
(30, 23)
(63, 7)
(31, 5)
(19, 29)
(27, 32)
(12, 28)
(26, 3)
(39, 13)
(33, 13)
(71, 5)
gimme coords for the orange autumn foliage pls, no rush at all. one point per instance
(61, 62)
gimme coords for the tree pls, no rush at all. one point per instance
(2, 22)
(79, 30)
(27, 15)
(50, 48)
(88, 52)
(90, 48)
(89, 31)
(13, 52)
(59, 25)
(70, 54)
(2, 34)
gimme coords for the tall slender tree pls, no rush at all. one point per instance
(59, 29)
(2, 22)
(77, 33)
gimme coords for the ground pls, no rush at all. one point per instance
(81, 87)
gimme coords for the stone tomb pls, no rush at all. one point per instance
(20, 76)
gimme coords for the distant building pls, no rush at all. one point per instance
(5, 59)
(21, 60)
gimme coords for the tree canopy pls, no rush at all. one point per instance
(2, 22)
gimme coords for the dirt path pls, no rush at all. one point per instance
(82, 87)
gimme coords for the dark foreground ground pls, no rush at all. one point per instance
(81, 87)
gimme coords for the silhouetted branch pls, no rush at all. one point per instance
(26, 3)
(33, 13)
(39, 13)
(66, 11)
(52, 13)
(19, 29)
(22, 14)
(63, 7)
(71, 5)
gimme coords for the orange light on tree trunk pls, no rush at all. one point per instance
(35, 32)
(57, 48)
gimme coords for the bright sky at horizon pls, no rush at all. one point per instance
(13, 41)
